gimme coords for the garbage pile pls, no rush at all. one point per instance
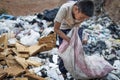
(22, 42)
(28, 47)
(103, 39)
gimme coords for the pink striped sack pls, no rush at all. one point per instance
(80, 65)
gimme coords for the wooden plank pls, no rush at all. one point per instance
(33, 63)
(14, 71)
(2, 56)
(22, 62)
(20, 54)
(33, 77)
(12, 62)
(49, 40)
(22, 48)
(21, 78)
(3, 41)
(1, 49)
(2, 74)
(35, 49)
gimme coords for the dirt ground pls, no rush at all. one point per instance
(27, 7)
(112, 7)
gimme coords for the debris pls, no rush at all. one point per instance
(33, 63)
(38, 57)
(19, 54)
(36, 48)
(2, 75)
(50, 40)
(22, 62)
(3, 42)
(33, 77)
(21, 78)
(14, 71)
(22, 48)
(12, 62)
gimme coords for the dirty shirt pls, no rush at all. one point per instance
(64, 16)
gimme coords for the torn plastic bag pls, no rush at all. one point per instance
(80, 65)
(31, 38)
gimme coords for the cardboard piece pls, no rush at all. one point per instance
(35, 49)
(23, 55)
(14, 71)
(22, 48)
(33, 63)
(21, 78)
(49, 40)
(3, 41)
(33, 77)
(2, 74)
(22, 62)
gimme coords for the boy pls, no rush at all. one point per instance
(69, 15)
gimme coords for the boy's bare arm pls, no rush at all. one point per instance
(59, 32)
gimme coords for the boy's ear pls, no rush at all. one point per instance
(75, 8)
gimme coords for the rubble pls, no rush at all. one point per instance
(2, 75)
(15, 54)
(21, 78)
(31, 54)
(14, 71)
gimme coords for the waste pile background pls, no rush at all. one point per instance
(28, 46)
(26, 31)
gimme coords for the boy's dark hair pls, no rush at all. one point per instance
(86, 7)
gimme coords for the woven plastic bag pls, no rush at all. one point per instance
(80, 65)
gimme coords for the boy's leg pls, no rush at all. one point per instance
(80, 32)
(62, 68)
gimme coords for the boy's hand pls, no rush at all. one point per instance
(84, 41)
(68, 39)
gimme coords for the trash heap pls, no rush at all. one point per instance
(24, 49)
(28, 46)
(103, 39)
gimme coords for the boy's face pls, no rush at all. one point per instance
(79, 15)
